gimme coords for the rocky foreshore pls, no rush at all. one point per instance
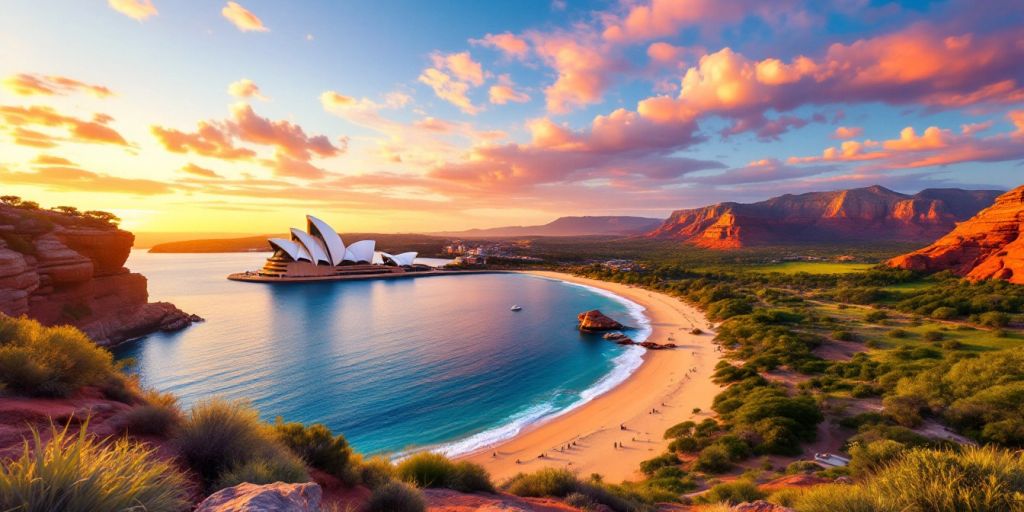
(62, 269)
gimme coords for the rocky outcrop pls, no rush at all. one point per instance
(277, 497)
(759, 506)
(873, 213)
(60, 269)
(596, 321)
(988, 246)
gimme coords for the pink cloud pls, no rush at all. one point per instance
(505, 91)
(509, 44)
(648, 20)
(449, 89)
(462, 66)
(584, 67)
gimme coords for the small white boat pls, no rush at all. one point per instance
(516, 307)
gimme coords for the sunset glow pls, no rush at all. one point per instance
(399, 117)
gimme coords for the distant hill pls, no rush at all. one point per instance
(863, 214)
(988, 246)
(426, 245)
(567, 226)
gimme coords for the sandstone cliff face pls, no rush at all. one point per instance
(872, 213)
(595, 321)
(988, 246)
(60, 270)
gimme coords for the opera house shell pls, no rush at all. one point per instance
(320, 252)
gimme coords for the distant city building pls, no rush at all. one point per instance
(319, 251)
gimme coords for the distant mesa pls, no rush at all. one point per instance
(568, 226)
(988, 246)
(320, 252)
(864, 214)
(596, 321)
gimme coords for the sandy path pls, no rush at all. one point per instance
(663, 382)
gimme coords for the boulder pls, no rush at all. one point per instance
(760, 506)
(596, 321)
(276, 497)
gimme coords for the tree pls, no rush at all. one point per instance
(102, 216)
(11, 200)
(68, 210)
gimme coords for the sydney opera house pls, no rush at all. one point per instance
(319, 252)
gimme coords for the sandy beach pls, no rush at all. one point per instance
(623, 415)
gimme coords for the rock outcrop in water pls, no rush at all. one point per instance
(596, 321)
(864, 214)
(988, 246)
(65, 269)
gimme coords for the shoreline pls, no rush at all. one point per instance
(662, 382)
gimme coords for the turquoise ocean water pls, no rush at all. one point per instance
(438, 362)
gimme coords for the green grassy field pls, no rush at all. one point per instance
(811, 267)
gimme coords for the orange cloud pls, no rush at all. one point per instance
(245, 88)
(73, 179)
(25, 84)
(449, 89)
(847, 132)
(934, 147)
(462, 66)
(16, 119)
(665, 53)
(202, 172)
(208, 140)
(509, 44)
(293, 148)
(662, 18)
(135, 9)
(504, 91)
(242, 18)
(583, 66)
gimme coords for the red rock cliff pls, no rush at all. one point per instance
(61, 270)
(872, 213)
(988, 246)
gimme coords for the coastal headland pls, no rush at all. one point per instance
(614, 432)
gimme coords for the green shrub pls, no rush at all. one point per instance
(714, 459)
(866, 458)
(952, 345)
(876, 316)
(934, 336)
(396, 497)
(650, 466)
(899, 333)
(374, 472)
(835, 498)
(427, 469)
(944, 313)
(50, 361)
(545, 482)
(843, 335)
(734, 492)
(803, 466)
(75, 473)
(220, 435)
(581, 501)
(318, 447)
(158, 416)
(785, 497)
(994, 319)
(265, 471)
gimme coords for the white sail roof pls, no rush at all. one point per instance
(313, 245)
(322, 230)
(361, 251)
(402, 260)
(294, 251)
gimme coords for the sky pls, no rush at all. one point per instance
(403, 116)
